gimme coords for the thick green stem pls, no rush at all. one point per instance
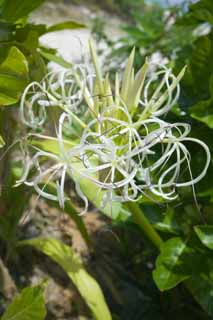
(141, 220)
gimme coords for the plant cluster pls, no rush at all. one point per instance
(132, 143)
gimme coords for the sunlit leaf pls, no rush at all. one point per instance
(2, 143)
(13, 76)
(71, 263)
(28, 305)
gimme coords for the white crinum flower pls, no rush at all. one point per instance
(45, 167)
(128, 159)
(164, 96)
(103, 156)
(163, 175)
(63, 88)
(123, 149)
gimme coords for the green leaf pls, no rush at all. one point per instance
(201, 66)
(51, 145)
(57, 59)
(201, 11)
(205, 234)
(201, 287)
(2, 143)
(126, 75)
(169, 224)
(13, 76)
(71, 263)
(37, 66)
(23, 33)
(14, 10)
(28, 305)
(170, 267)
(203, 111)
(65, 25)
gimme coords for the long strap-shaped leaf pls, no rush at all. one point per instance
(71, 263)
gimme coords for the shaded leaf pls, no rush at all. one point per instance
(6, 30)
(199, 12)
(201, 287)
(14, 10)
(22, 33)
(28, 305)
(71, 263)
(203, 111)
(205, 234)
(170, 269)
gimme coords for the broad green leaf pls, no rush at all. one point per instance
(14, 10)
(65, 25)
(170, 269)
(13, 76)
(205, 234)
(28, 305)
(57, 59)
(71, 263)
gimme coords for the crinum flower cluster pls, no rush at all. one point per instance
(122, 145)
